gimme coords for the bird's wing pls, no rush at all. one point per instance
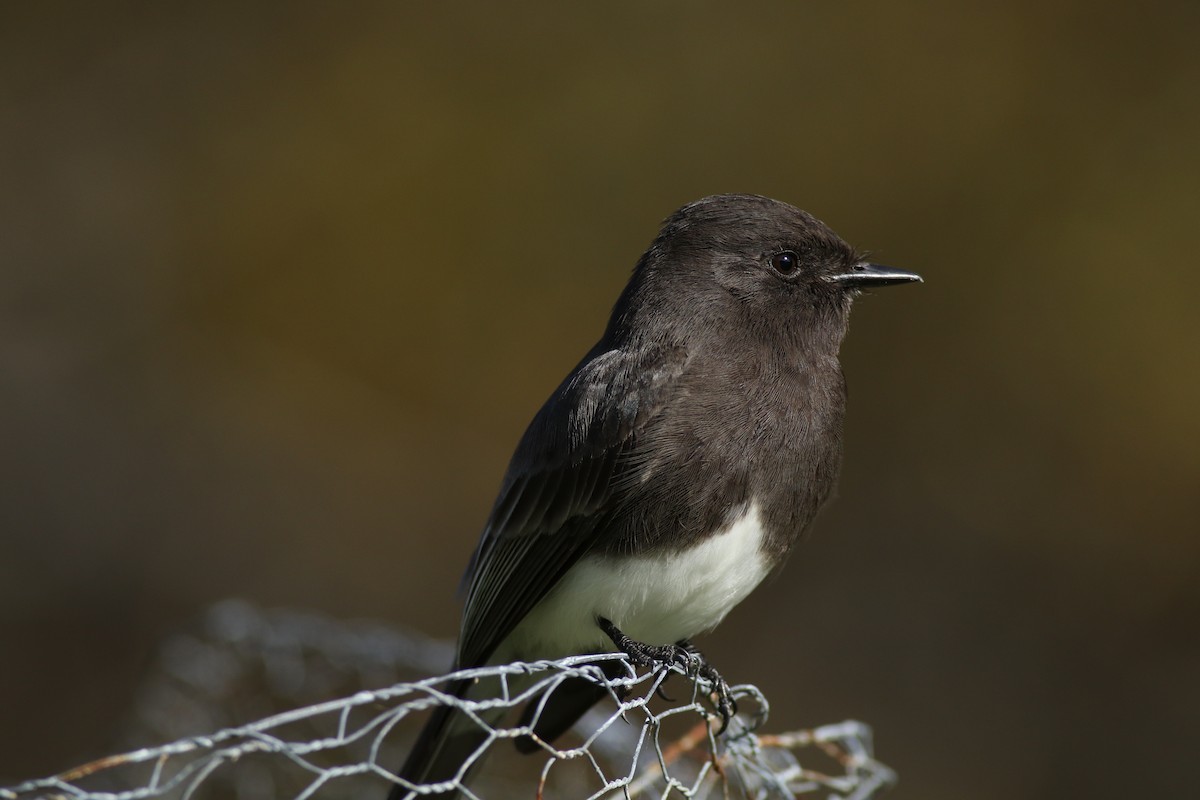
(563, 480)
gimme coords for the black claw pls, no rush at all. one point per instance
(726, 706)
(682, 654)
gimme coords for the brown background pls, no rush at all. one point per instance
(280, 286)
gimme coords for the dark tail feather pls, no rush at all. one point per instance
(447, 741)
(451, 737)
(563, 707)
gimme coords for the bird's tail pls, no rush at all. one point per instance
(551, 716)
(453, 743)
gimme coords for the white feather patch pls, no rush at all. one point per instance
(657, 599)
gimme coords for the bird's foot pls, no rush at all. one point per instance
(726, 706)
(650, 655)
(682, 654)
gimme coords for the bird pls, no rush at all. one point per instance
(672, 470)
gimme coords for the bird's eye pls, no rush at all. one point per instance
(785, 263)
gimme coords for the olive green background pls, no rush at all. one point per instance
(281, 284)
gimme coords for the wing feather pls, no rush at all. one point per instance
(560, 487)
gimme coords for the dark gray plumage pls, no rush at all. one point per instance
(677, 464)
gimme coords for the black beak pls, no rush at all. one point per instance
(864, 276)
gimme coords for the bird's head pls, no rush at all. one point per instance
(758, 261)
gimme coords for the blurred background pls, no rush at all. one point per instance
(281, 285)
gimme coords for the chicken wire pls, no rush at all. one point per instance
(246, 663)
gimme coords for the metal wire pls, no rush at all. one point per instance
(636, 743)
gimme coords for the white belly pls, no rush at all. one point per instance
(657, 599)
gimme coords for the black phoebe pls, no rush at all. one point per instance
(675, 466)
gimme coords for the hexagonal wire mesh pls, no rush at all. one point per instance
(245, 663)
